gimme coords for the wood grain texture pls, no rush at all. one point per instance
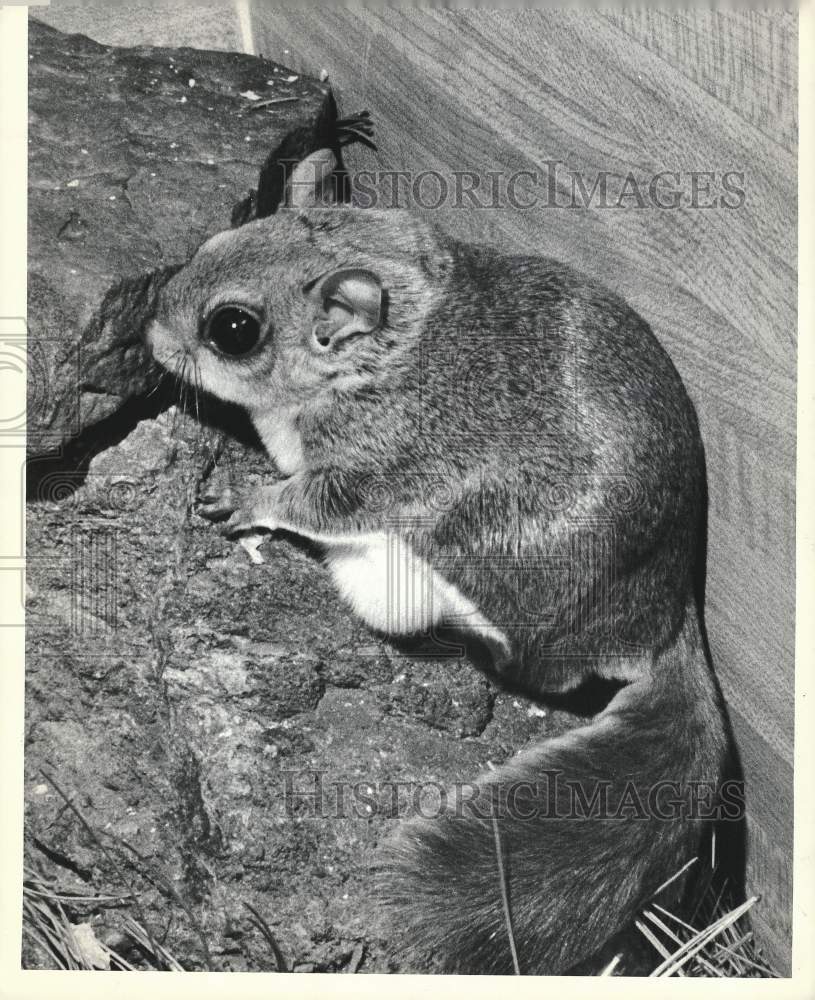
(748, 62)
(486, 91)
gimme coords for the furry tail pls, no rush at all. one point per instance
(591, 824)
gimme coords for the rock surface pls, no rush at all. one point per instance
(226, 734)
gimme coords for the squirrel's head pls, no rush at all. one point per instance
(295, 307)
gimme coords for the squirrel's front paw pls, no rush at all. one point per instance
(216, 504)
(258, 510)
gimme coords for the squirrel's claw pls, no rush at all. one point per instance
(252, 544)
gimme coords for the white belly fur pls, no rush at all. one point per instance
(399, 593)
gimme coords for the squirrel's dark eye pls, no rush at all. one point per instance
(231, 330)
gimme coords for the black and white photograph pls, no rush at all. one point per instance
(409, 465)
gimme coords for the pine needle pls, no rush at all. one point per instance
(502, 877)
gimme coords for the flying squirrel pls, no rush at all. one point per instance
(512, 436)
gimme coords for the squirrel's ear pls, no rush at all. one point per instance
(312, 183)
(347, 302)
